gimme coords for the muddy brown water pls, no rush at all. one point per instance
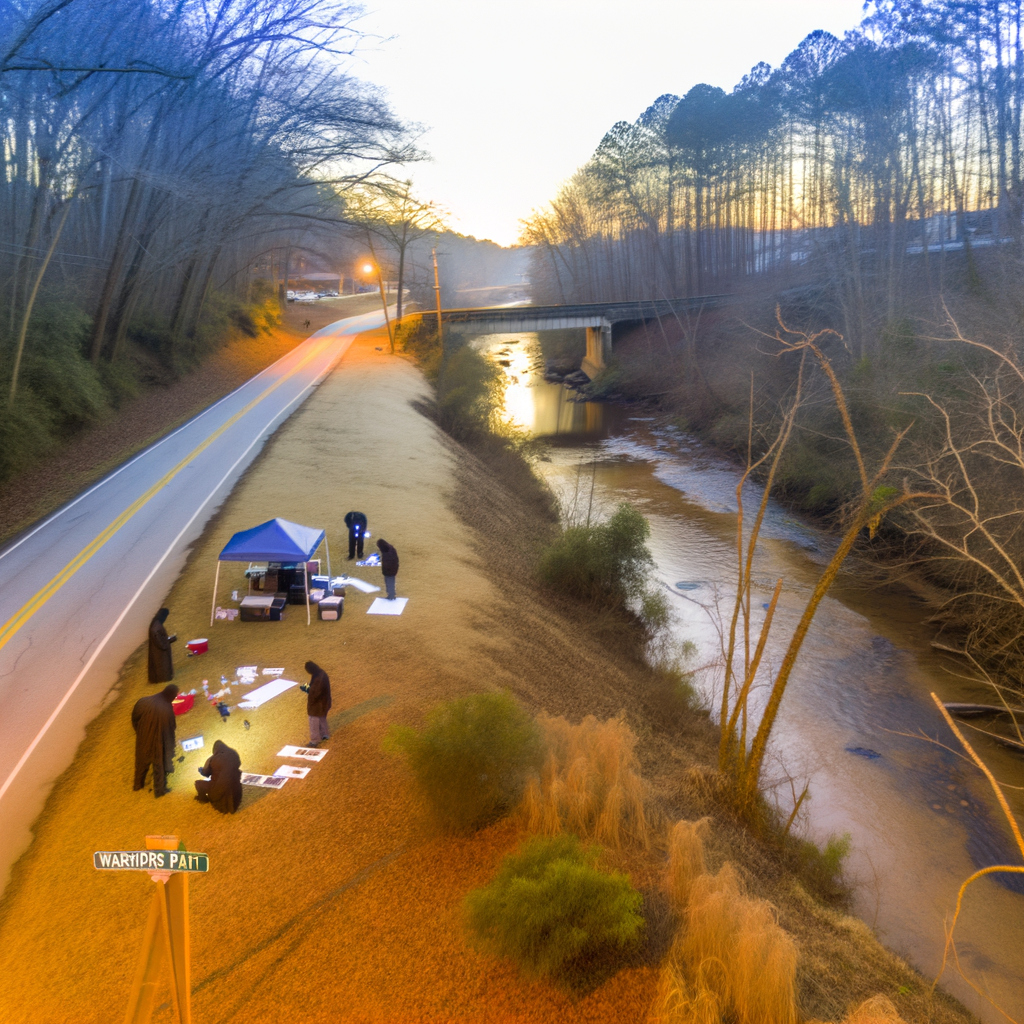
(857, 720)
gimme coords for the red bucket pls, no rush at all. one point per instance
(200, 646)
(183, 703)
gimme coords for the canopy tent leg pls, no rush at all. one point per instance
(305, 580)
(327, 547)
(216, 580)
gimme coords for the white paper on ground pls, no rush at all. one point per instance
(266, 781)
(307, 753)
(245, 670)
(291, 771)
(192, 744)
(273, 671)
(263, 693)
(373, 559)
(382, 606)
(351, 581)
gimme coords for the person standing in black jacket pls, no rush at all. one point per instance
(356, 523)
(153, 722)
(318, 703)
(161, 667)
(388, 566)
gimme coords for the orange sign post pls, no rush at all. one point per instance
(166, 948)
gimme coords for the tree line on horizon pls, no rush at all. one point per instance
(867, 159)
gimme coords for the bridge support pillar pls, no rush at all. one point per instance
(599, 350)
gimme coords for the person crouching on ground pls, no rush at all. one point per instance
(224, 772)
(161, 667)
(153, 722)
(388, 566)
(356, 523)
(318, 703)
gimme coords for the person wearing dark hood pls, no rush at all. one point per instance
(318, 703)
(224, 772)
(153, 722)
(356, 523)
(388, 566)
(161, 668)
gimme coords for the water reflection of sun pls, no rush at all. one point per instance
(517, 351)
(519, 406)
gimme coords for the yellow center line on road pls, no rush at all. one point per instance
(27, 610)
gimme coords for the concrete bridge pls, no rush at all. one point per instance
(597, 318)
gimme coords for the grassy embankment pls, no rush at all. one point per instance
(112, 428)
(336, 897)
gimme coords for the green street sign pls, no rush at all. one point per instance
(150, 860)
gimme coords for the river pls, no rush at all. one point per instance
(857, 715)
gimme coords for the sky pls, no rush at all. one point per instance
(514, 97)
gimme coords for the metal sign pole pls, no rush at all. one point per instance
(166, 942)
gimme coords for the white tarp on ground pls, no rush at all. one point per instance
(351, 581)
(382, 606)
(263, 693)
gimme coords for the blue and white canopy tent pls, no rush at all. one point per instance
(274, 541)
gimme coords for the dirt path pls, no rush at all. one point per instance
(334, 899)
(158, 410)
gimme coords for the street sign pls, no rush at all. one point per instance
(150, 860)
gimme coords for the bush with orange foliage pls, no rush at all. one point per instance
(590, 783)
(730, 958)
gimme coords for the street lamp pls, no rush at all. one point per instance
(369, 268)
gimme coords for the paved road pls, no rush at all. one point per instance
(77, 592)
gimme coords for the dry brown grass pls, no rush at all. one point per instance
(590, 784)
(730, 956)
(686, 861)
(876, 1010)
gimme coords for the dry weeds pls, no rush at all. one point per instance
(590, 784)
(730, 956)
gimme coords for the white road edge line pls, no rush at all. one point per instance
(156, 444)
(163, 558)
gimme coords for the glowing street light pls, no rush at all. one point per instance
(369, 268)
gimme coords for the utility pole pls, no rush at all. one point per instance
(384, 303)
(437, 296)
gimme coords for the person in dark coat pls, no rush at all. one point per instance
(356, 523)
(388, 566)
(161, 668)
(318, 703)
(224, 771)
(153, 722)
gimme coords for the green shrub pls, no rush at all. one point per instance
(59, 390)
(605, 384)
(468, 392)
(822, 870)
(417, 335)
(472, 758)
(552, 911)
(606, 564)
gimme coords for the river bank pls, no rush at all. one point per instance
(335, 897)
(856, 719)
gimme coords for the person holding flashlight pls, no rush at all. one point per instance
(356, 523)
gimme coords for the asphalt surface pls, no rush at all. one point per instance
(78, 590)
